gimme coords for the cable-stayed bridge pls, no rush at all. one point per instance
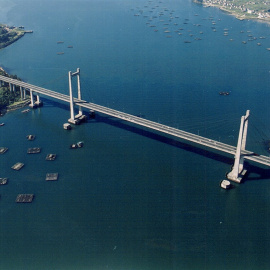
(239, 152)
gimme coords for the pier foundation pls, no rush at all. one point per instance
(38, 102)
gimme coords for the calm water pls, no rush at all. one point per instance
(132, 199)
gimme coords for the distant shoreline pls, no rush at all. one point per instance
(240, 15)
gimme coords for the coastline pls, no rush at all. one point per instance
(17, 104)
(235, 13)
(10, 35)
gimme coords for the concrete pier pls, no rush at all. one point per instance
(38, 102)
(32, 104)
(21, 92)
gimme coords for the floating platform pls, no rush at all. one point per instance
(3, 150)
(17, 166)
(30, 137)
(25, 198)
(3, 181)
(51, 176)
(51, 157)
(34, 150)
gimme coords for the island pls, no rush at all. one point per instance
(242, 9)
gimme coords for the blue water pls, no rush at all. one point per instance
(131, 198)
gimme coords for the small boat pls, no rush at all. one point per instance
(60, 42)
(225, 184)
(73, 146)
(60, 53)
(30, 137)
(51, 157)
(80, 144)
(224, 93)
(70, 46)
(2, 124)
(76, 145)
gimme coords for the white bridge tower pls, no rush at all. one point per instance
(237, 173)
(75, 119)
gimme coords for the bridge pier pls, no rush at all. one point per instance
(75, 119)
(38, 102)
(24, 93)
(32, 103)
(21, 92)
(238, 171)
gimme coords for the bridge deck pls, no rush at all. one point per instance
(144, 122)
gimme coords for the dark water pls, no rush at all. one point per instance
(133, 199)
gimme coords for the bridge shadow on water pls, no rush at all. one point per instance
(254, 172)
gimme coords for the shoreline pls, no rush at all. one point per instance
(233, 13)
(16, 104)
(11, 34)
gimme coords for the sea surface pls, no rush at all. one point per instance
(131, 198)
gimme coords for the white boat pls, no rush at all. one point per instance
(225, 184)
(80, 144)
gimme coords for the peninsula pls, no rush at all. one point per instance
(9, 34)
(242, 9)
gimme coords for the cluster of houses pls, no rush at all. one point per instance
(243, 8)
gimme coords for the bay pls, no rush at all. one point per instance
(131, 198)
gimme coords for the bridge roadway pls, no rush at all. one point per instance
(143, 122)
